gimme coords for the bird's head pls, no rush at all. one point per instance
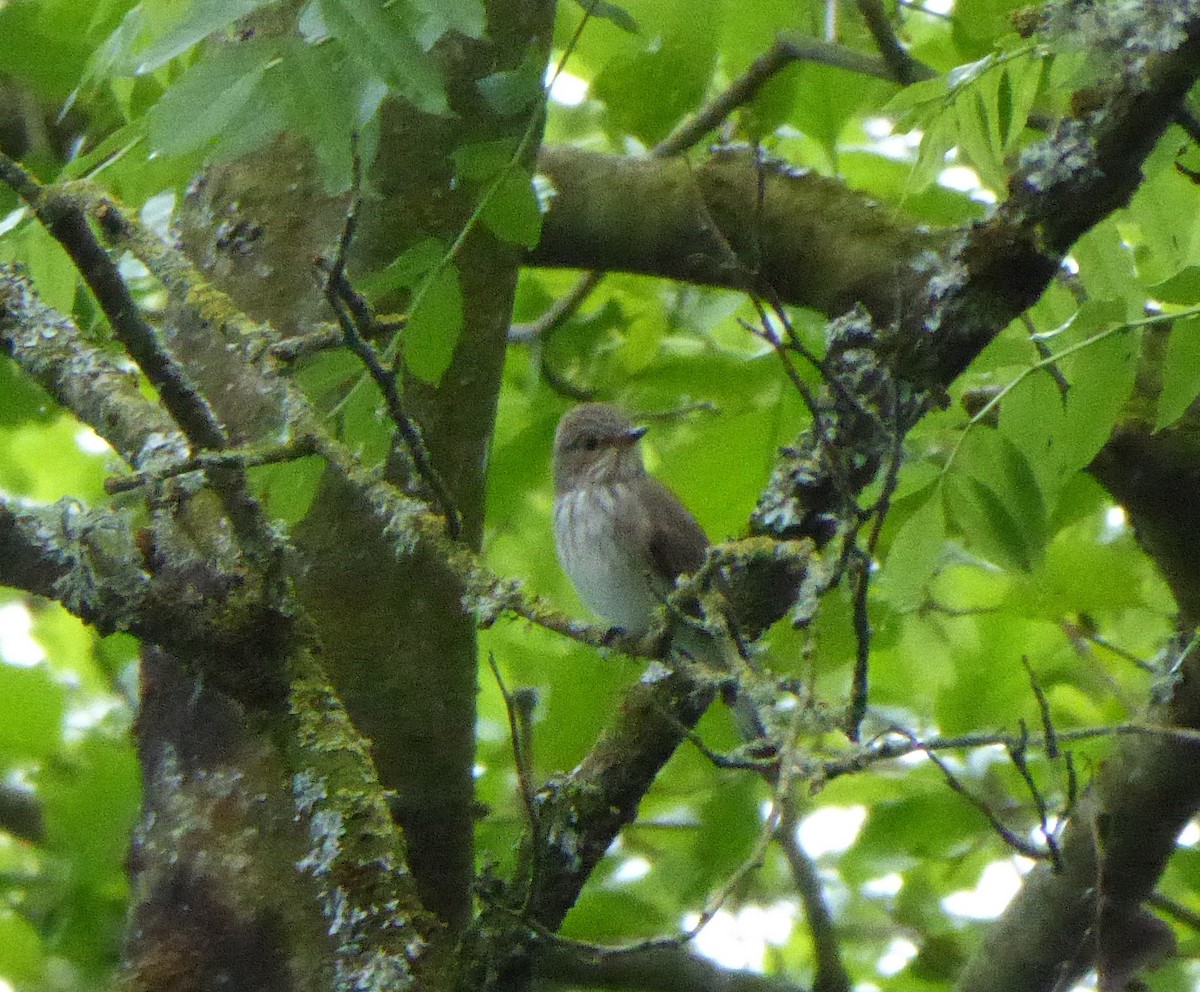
(596, 444)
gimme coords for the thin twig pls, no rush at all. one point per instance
(1007, 835)
(831, 975)
(206, 461)
(860, 680)
(765, 333)
(786, 50)
(753, 861)
(904, 68)
(1081, 632)
(884, 749)
(521, 746)
(558, 314)
(1043, 710)
(1016, 754)
(1044, 353)
(299, 346)
(355, 318)
(1177, 911)
(862, 619)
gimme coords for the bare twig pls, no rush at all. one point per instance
(831, 975)
(1046, 355)
(1082, 631)
(558, 313)
(1007, 835)
(518, 728)
(786, 50)
(903, 67)
(752, 862)
(887, 747)
(355, 318)
(1016, 754)
(206, 461)
(1043, 710)
(1177, 911)
(302, 345)
(862, 620)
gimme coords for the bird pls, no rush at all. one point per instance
(623, 537)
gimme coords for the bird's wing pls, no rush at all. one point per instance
(677, 543)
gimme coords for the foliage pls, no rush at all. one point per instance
(1010, 590)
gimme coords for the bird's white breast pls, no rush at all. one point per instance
(610, 576)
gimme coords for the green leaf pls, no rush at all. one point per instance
(208, 100)
(21, 955)
(377, 37)
(977, 113)
(202, 18)
(1182, 288)
(51, 268)
(327, 100)
(915, 105)
(20, 397)
(511, 209)
(1023, 80)
(990, 527)
(512, 90)
(915, 553)
(936, 142)
(407, 270)
(1033, 418)
(1001, 507)
(677, 71)
(434, 326)
(1101, 377)
(91, 801)
(897, 833)
(32, 707)
(1181, 372)
(832, 98)
(289, 489)
(480, 161)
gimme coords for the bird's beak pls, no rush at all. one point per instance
(633, 435)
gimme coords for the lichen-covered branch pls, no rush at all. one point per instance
(85, 379)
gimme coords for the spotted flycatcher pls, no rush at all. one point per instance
(622, 536)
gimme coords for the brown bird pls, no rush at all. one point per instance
(623, 537)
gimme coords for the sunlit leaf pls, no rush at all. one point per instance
(201, 19)
(210, 97)
(378, 37)
(32, 706)
(1101, 377)
(914, 553)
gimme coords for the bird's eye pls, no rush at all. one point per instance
(591, 443)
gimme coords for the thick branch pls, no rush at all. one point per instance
(85, 379)
(734, 221)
